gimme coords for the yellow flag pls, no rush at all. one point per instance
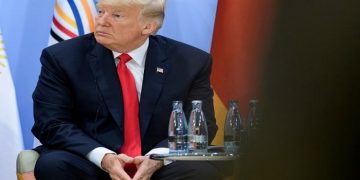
(10, 130)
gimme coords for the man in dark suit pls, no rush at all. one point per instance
(79, 102)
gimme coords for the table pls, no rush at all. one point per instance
(211, 156)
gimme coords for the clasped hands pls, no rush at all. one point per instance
(114, 165)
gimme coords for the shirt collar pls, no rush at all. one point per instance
(138, 54)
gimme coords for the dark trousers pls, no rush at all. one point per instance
(63, 165)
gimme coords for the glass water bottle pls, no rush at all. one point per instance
(234, 130)
(253, 117)
(177, 130)
(198, 132)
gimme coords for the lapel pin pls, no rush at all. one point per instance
(159, 70)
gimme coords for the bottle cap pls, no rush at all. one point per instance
(196, 101)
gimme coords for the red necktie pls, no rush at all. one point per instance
(132, 140)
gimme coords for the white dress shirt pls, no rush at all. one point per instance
(136, 66)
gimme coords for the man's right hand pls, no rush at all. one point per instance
(114, 165)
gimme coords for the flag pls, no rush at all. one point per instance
(10, 131)
(71, 18)
(238, 39)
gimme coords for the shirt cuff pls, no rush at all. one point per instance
(96, 155)
(160, 151)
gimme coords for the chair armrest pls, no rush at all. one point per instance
(26, 161)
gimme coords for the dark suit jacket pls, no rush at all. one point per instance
(78, 101)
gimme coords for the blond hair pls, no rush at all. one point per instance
(153, 10)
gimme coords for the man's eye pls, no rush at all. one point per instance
(117, 16)
(100, 11)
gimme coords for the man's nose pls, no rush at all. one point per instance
(102, 20)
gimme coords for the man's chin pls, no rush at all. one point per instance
(102, 40)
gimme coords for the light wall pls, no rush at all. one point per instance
(26, 24)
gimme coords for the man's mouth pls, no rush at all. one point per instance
(101, 33)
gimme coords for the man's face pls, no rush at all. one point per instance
(119, 27)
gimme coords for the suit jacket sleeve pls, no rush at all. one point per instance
(55, 120)
(201, 90)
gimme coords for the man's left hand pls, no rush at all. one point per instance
(146, 167)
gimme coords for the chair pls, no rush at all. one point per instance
(25, 164)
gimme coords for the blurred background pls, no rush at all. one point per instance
(298, 58)
(310, 86)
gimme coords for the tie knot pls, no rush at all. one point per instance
(124, 58)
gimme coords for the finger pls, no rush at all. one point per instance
(124, 175)
(140, 174)
(119, 173)
(137, 177)
(142, 169)
(116, 171)
(125, 159)
(139, 159)
(120, 177)
(114, 177)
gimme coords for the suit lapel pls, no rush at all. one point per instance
(156, 70)
(103, 67)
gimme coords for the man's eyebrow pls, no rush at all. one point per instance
(113, 10)
(117, 11)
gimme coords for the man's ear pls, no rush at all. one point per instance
(149, 28)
